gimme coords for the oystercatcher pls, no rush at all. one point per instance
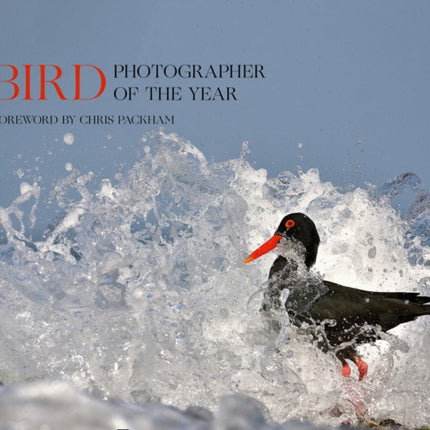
(339, 317)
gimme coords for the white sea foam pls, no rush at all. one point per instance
(138, 294)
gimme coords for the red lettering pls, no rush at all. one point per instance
(28, 79)
(27, 68)
(78, 81)
(11, 81)
(44, 81)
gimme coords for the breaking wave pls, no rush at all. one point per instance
(136, 309)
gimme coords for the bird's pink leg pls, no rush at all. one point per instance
(362, 367)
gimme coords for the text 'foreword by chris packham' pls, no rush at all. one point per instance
(138, 119)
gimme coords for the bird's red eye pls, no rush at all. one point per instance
(290, 223)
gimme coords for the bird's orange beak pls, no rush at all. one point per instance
(266, 247)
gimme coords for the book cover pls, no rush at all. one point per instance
(147, 147)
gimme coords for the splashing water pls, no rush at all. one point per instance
(138, 293)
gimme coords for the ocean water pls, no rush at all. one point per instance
(135, 310)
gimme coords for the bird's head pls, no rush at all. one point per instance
(297, 227)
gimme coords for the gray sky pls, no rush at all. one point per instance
(348, 81)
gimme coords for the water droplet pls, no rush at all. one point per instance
(245, 149)
(26, 187)
(68, 138)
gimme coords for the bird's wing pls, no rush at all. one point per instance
(353, 306)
